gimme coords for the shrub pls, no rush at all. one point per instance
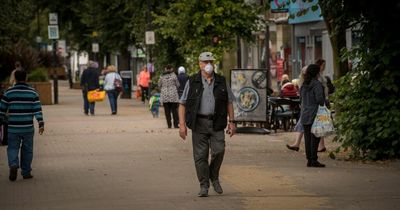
(368, 101)
(38, 75)
(19, 51)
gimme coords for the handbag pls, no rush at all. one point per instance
(96, 95)
(322, 125)
(117, 83)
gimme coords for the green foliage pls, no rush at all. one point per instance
(369, 117)
(192, 24)
(38, 75)
(14, 17)
(367, 98)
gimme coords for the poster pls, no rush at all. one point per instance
(249, 88)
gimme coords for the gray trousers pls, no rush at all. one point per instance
(205, 138)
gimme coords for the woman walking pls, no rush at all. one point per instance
(312, 95)
(109, 87)
(169, 85)
(144, 83)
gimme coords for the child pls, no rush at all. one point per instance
(154, 103)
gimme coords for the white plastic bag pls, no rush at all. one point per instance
(322, 125)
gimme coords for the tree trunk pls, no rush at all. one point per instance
(337, 35)
(123, 60)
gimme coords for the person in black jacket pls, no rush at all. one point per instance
(311, 95)
(204, 107)
(89, 81)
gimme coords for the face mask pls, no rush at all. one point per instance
(209, 68)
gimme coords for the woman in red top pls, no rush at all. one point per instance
(144, 81)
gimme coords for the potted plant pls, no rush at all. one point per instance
(39, 80)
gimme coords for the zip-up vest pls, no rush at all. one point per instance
(194, 98)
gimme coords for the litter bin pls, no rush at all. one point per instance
(126, 83)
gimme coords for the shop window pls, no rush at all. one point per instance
(317, 47)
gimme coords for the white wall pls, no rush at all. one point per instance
(327, 54)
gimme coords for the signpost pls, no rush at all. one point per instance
(150, 39)
(54, 35)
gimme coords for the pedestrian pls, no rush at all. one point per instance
(169, 84)
(322, 64)
(204, 107)
(154, 103)
(312, 95)
(89, 81)
(182, 77)
(17, 66)
(289, 90)
(299, 126)
(20, 104)
(109, 87)
(144, 82)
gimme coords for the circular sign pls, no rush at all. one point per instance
(259, 79)
(248, 99)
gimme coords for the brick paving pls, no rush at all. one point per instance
(132, 161)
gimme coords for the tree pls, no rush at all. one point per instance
(368, 97)
(192, 24)
(336, 21)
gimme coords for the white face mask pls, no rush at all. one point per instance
(209, 68)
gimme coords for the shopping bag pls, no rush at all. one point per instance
(138, 94)
(96, 95)
(118, 84)
(322, 125)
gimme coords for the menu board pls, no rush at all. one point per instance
(249, 86)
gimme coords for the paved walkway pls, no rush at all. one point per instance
(132, 161)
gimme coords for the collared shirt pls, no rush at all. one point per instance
(207, 104)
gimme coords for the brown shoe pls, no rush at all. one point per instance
(29, 176)
(203, 192)
(217, 187)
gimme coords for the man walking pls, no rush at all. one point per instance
(204, 107)
(21, 103)
(89, 81)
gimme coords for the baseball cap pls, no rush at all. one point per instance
(206, 56)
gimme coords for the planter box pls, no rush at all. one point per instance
(45, 91)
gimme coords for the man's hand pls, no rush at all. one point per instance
(231, 129)
(183, 131)
(41, 130)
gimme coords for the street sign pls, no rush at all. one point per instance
(53, 31)
(126, 74)
(150, 39)
(53, 19)
(95, 47)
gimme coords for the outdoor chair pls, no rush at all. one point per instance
(285, 112)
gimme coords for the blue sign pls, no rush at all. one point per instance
(280, 6)
(302, 12)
